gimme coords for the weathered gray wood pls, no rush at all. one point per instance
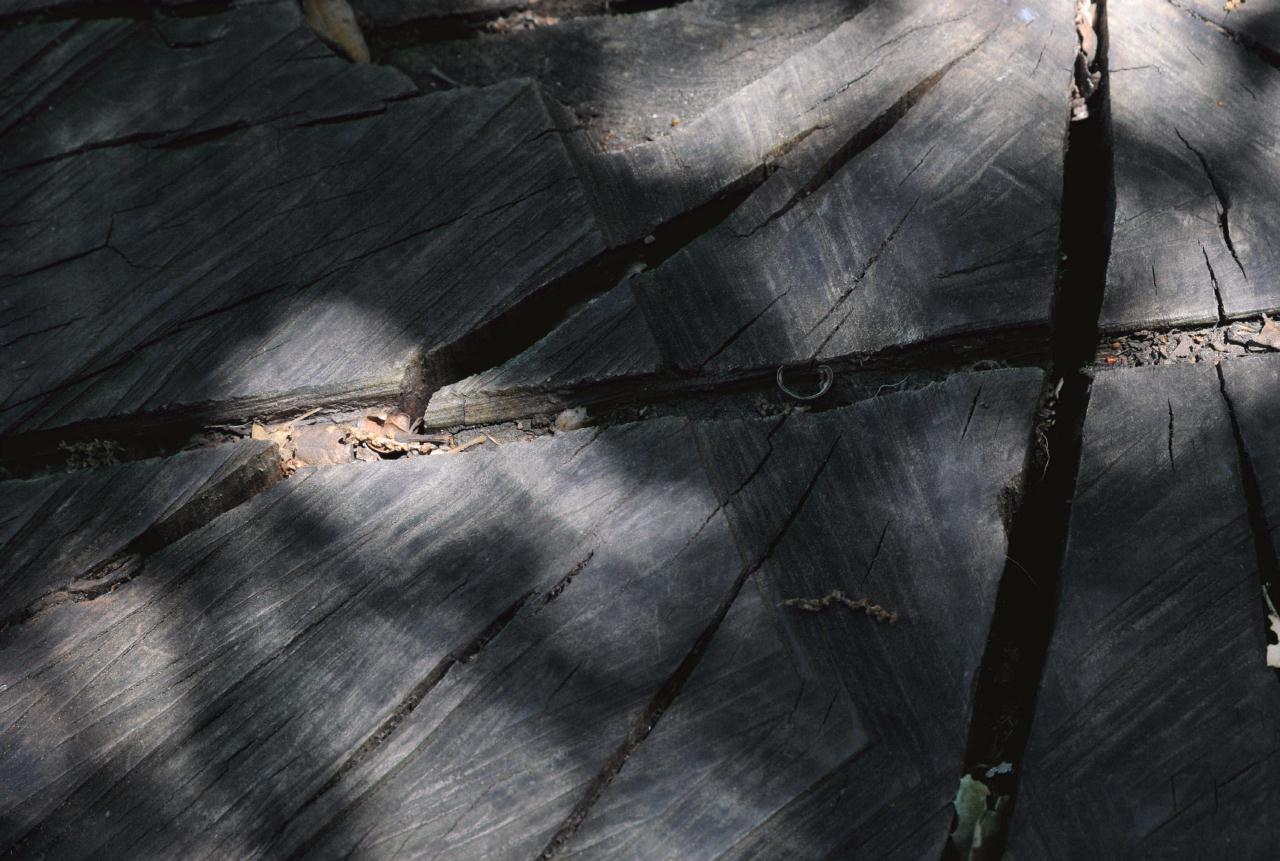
(899, 499)
(947, 225)
(258, 655)
(1255, 24)
(1157, 720)
(582, 362)
(754, 729)
(1197, 195)
(822, 99)
(75, 85)
(924, 235)
(629, 76)
(54, 531)
(1253, 386)
(323, 263)
(366, 659)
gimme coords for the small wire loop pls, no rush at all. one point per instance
(826, 378)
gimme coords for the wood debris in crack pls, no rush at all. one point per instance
(838, 597)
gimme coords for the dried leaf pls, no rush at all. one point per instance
(1269, 337)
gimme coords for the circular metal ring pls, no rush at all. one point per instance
(826, 378)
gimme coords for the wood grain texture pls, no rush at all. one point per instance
(1158, 722)
(364, 659)
(331, 263)
(889, 217)
(922, 234)
(628, 76)
(946, 225)
(754, 729)
(74, 85)
(228, 686)
(1195, 117)
(899, 499)
(56, 530)
(823, 98)
(1252, 388)
(582, 362)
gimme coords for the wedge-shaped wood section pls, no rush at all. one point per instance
(80, 84)
(946, 225)
(898, 499)
(246, 681)
(600, 354)
(1158, 722)
(1253, 388)
(57, 532)
(1197, 175)
(282, 265)
(890, 217)
(754, 728)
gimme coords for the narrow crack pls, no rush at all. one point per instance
(403, 709)
(509, 19)
(1262, 51)
(1224, 209)
(1213, 279)
(675, 683)
(864, 138)
(1173, 466)
(563, 583)
(255, 476)
(1268, 563)
(521, 326)
(1022, 623)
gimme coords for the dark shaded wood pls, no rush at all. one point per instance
(754, 729)
(80, 84)
(899, 499)
(1197, 194)
(947, 224)
(629, 76)
(56, 532)
(1252, 387)
(605, 345)
(888, 219)
(255, 660)
(1158, 721)
(318, 264)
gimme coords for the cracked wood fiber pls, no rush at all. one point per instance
(56, 530)
(628, 76)
(280, 266)
(899, 499)
(259, 655)
(1252, 388)
(946, 224)
(74, 85)
(1196, 118)
(914, 194)
(1158, 722)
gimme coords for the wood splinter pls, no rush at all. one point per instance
(836, 596)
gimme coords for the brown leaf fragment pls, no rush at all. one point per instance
(1269, 337)
(321, 445)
